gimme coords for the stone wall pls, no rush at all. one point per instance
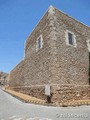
(35, 68)
(70, 64)
(67, 93)
(56, 63)
(16, 77)
(34, 91)
(59, 93)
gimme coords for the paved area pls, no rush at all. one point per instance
(13, 109)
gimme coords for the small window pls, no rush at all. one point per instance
(70, 39)
(39, 43)
(88, 44)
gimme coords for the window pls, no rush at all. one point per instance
(88, 44)
(39, 43)
(70, 39)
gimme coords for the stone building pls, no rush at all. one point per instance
(56, 53)
(3, 78)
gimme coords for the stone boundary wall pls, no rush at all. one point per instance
(67, 93)
(59, 93)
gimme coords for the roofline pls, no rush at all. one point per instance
(16, 65)
(37, 24)
(72, 17)
(50, 7)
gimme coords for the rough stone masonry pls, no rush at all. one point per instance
(56, 53)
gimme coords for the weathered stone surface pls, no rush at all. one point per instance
(59, 93)
(3, 78)
(56, 62)
(67, 93)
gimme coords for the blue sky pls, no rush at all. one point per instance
(19, 17)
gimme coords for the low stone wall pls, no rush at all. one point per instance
(59, 93)
(67, 93)
(34, 91)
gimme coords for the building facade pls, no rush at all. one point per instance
(56, 53)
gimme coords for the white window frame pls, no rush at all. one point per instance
(67, 39)
(88, 45)
(37, 43)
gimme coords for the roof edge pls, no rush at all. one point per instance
(69, 16)
(51, 9)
